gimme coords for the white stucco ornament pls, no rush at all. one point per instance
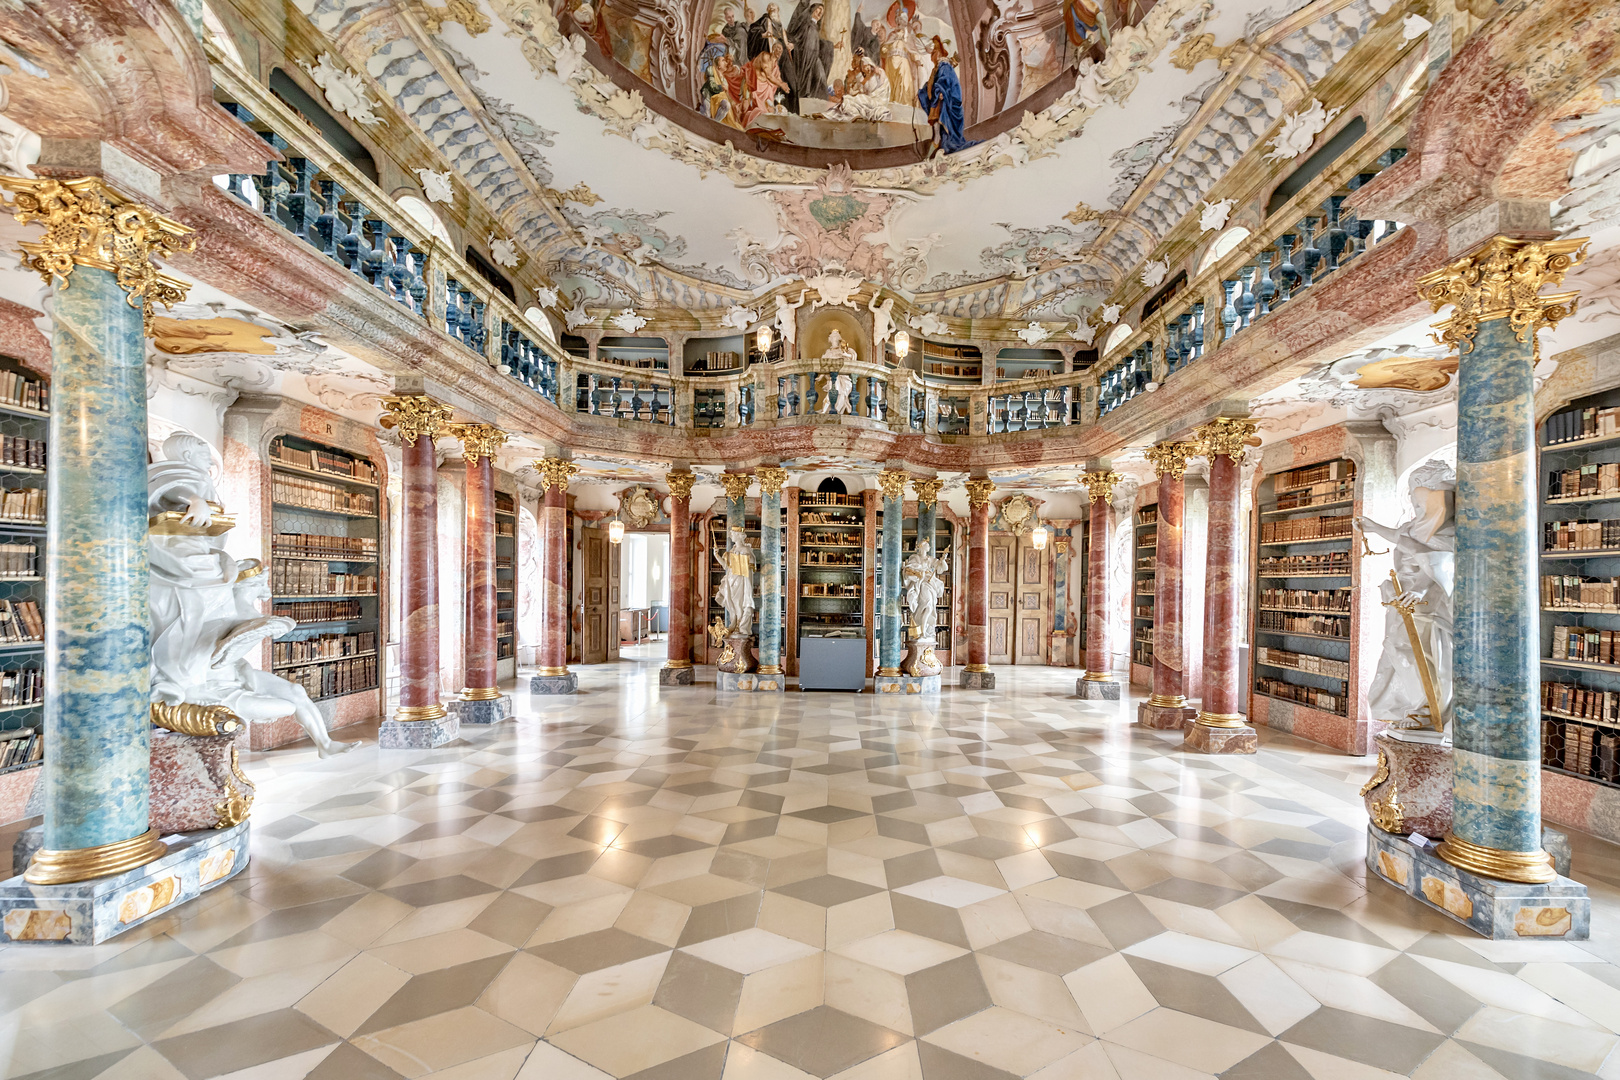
(1083, 332)
(435, 185)
(1214, 215)
(836, 290)
(737, 317)
(1110, 314)
(1034, 334)
(1299, 131)
(345, 90)
(628, 321)
(1153, 273)
(928, 324)
(576, 315)
(1414, 27)
(504, 252)
(546, 298)
(569, 59)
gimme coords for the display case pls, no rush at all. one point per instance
(1143, 577)
(506, 584)
(1580, 590)
(1303, 602)
(24, 458)
(325, 567)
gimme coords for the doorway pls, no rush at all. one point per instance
(643, 620)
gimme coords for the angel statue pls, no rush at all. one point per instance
(203, 602)
(736, 594)
(1418, 597)
(882, 319)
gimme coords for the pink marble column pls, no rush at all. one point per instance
(977, 674)
(1167, 708)
(677, 669)
(552, 675)
(481, 700)
(1220, 727)
(421, 720)
(1098, 682)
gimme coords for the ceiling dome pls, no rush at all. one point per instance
(874, 83)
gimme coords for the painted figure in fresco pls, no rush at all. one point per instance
(715, 97)
(1425, 555)
(942, 98)
(811, 60)
(766, 31)
(1080, 20)
(735, 34)
(769, 93)
(736, 592)
(866, 94)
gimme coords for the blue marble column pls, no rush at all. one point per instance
(97, 631)
(891, 643)
(770, 570)
(1496, 729)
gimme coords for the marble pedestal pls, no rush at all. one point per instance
(567, 683)
(98, 910)
(418, 734)
(1164, 717)
(1411, 790)
(1097, 689)
(196, 781)
(1208, 740)
(905, 684)
(488, 711)
(977, 680)
(751, 681)
(1503, 910)
(676, 676)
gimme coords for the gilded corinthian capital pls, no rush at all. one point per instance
(415, 415)
(680, 483)
(1101, 484)
(1170, 459)
(892, 482)
(979, 490)
(770, 479)
(736, 485)
(1226, 435)
(478, 440)
(927, 489)
(554, 473)
(1502, 279)
(87, 223)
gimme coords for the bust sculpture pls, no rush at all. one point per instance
(204, 603)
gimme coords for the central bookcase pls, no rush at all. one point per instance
(1580, 591)
(832, 562)
(1303, 601)
(324, 562)
(1143, 577)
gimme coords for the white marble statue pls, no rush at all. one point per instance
(834, 389)
(736, 593)
(1424, 550)
(882, 319)
(838, 351)
(198, 608)
(786, 323)
(921, 575)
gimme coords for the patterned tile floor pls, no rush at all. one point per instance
(661, 885)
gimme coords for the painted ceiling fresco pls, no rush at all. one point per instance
(845, 76)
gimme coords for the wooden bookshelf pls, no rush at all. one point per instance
(24, 460)
(506, 583)
(1144, 574)
(1580, 520)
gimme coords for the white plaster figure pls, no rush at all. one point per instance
(921, 577)
(736, 592)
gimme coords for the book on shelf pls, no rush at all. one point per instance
(1574, 701)
(334, 679)
(23, 687)
(319, 610)
(1304, 695)
(1336, 626)
(1585, 482)
(24, 505)
(1591, 422)
(322, 647)
(1581, 535)
(312, 579)
(21, 392)
(1584, 644)
(21, 453)
(1330, 562)
(20, 622)
(1580, 749)
(322, 546)
(21, 747)
(19, 560)
(1300, 529)
(1576, 591)
(1314, 474)
(326, 461)
(313, 495)
(1334, 600)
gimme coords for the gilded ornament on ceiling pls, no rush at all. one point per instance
(188, 337)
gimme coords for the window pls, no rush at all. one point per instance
(423, 215)
(1117, 335)
(1223, 246)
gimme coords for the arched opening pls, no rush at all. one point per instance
(832, 486)
(1223, 246)
(423, 215)
(1116, 336)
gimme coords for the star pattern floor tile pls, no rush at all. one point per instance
(651, 883)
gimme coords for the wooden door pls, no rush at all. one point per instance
(615, 563)
(1003, 599)
(1034, 610)
(593, 650)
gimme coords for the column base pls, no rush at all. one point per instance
(98, 910)
(1164, 717)
(567, 682)
(1089, 689)
(418, 734)
(482, 710)
(676, 676)
(905, 684)
(752, 682)
(1501, 910)
(1203, 739)
(977, 680)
